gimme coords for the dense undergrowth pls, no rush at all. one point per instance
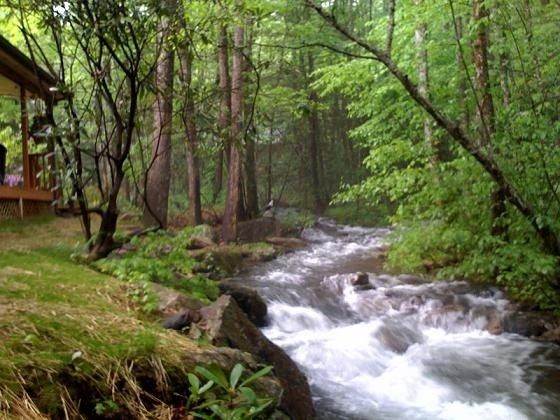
(161, 257)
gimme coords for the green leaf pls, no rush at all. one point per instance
(248, 394)
(235, 375)
(195, 382)
(263, 372)
(206, 387)
(214, 374)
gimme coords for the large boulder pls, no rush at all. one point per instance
(531, 324)
(225, 324)
(200, 242)
(172, 302)
(359, 279)
(248, 300)
(181, 320)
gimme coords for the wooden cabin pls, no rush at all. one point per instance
(30, 191)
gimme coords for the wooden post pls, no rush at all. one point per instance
(24, 138)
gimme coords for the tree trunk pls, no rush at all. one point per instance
(229, 229)
(314, 144)
(251, 188)
(251, 176)
(104, 242)
(269, 164)
(462, 85)
(224, 114)
(218, 175)
(423, 82)
(193, 161)
(159, 172)
(485, 106)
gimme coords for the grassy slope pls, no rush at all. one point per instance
(67, 330)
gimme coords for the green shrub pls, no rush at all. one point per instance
(225, 398)
(162, 258)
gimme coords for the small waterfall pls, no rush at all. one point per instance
(400, 347)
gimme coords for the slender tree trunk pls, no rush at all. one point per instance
(485, 105)
(504, 76)
(462, 85)
(233, 195)
(251, 176)
(224, 114)
(251, 188)
(159, 174)
(218, 174)
(423, 82)
(314, 144)
(269, 164)
(193, 160)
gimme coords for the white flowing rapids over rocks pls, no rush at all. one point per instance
(405, 348)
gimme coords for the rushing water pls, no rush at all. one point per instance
(403, 349)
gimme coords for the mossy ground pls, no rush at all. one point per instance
(73, 341)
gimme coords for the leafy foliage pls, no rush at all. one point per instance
(160, 257)
(226, 398)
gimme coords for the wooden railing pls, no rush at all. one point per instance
(40, 176)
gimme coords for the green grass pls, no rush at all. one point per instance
(76, 342)
(72, 337)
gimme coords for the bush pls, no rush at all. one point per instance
(162, 258)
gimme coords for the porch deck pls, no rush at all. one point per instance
(20, 202)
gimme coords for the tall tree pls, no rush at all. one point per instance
(188, 117)
(250, 133)
(224, 113)
(485, 112)
(159, 171)
(233, 195)
(314, 142)
(423, 79)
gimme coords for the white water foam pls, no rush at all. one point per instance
(402, 348)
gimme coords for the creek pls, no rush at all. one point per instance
(405, 348)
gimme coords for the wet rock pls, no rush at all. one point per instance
(359, 279)
(494, 325)
(181, 320)
(200, 242)
(289, 244)
(397, 338)
(364, 287)
(172, 302)
(411, 279)
(490, 318)
(448, 316)
(225, 324)
(248, 300)
(529, 324)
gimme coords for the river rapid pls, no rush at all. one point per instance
(402, 348)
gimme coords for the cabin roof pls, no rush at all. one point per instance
(16, 69)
